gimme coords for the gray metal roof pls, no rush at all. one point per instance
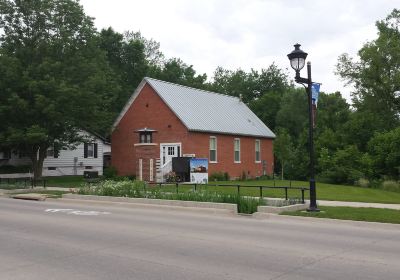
(206, 111)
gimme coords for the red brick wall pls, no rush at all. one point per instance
(146, 152)
(198, 143)
(148, 110)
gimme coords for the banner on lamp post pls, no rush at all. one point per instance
(314, 96)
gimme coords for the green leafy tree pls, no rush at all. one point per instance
(267, 107)
(376, 74)
(52, 76)
(293, 112)
(344, 166)
(384, 149)
(176, 71)
(250, 86)
(283, 149)
(152, 52)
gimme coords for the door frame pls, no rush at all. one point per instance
(169, 145)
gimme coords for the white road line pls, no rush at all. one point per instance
(77, 212)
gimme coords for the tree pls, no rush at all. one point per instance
(152, 48)
(52, 76)
(267, 107)
(283, 149)
(376, 74)
(293, 113)
(344, 166)
(250, 86)
(384, 149)
(176, 71)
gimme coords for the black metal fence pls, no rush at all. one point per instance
(238, 187)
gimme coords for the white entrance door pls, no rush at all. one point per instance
(168, 151)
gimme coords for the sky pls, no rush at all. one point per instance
(250, 33)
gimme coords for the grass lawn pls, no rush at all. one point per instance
(324, 191)
(65, 181)
(355, 214)
(337, 192)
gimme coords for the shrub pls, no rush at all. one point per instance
(391, 185)
(219, 176)
(362, 182)
(243, 177)
(131, 177)
(170, 176)
(110, 172)
(139, 189)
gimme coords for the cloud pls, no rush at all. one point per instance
(249, 33)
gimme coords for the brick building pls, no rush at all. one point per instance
(162, 120)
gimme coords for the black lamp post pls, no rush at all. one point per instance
(297, 61)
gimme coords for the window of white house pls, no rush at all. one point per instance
(50, 151)
(257, 149)
(237, 150)
(90, 150)
(213, 149)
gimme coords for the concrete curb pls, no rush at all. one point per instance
(30, 196)
(277, 210)
(177, 204)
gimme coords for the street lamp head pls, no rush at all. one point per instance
(297, 58)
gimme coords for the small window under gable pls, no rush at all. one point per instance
(145, 135)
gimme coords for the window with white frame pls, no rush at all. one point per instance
(258, 149)
(213, 149)
(90, 150)
(237, 150)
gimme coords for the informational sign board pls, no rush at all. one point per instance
(199, 170)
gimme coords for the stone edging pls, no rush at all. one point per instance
(226, 207)
(278, 210)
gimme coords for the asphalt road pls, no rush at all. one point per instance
(110, 242)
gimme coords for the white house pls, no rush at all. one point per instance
(90, 156)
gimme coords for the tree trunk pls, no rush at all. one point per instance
(37, 156)
(282, 171)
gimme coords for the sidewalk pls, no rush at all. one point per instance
(357, 204)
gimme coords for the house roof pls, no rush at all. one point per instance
(205, 111)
